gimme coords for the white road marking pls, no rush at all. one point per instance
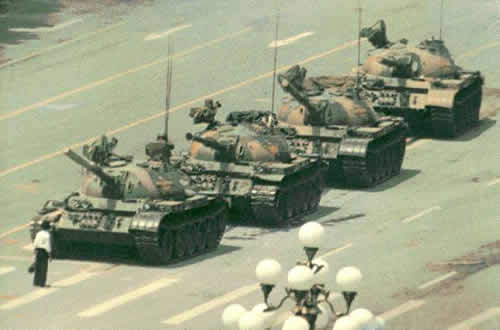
(437, 280)
(60, 107)
(125, 298)
(416, 143)
(7, 269)
(263, 100)
(28, 247)
(214, 303)
(421, 214)
(337, 250)
(154, 36)
(15, 258)
(13, 230)
(493, 182)
(290, 40)
(46, 28)
(486, 315)
(42, 292)
(401, 309)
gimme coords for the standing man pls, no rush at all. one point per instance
(43, 250)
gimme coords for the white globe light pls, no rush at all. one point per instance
(268, 317)
(311, 234)
(268, 271)
(251, 321)
(377, 323)
(300, 278)
(362, 317)
(323, 316)
(295, 323)
(344, 323)
(231, 316)
(348, 278)
(321, 276)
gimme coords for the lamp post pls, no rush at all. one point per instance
(306, 288)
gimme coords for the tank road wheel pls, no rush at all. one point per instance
(188, 238)
(180, 246)
(167, 246)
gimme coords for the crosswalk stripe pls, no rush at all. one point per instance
(486, 315)
(201, 309)
(7, 269)
(40, 293)
(125, 298)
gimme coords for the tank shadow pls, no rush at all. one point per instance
(334, 221)
(482, 126)
(404, 175)
(129, 256)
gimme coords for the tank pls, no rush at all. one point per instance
(255, 170)
(332, 121)
(147, 206)
(422, 83)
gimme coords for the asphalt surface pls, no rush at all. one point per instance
(427, 242)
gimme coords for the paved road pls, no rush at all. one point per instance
(427, 241)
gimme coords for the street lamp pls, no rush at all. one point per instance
(306, 288)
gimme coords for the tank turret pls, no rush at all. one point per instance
(421, 83)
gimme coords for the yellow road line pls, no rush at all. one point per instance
(421, 214)
(98, 83)
(336, 250)
(62, 44)
(176, 108)
(478, 319)
(13, 230)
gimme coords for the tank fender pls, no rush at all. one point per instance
(443, 98)
(146, 222)
(354, 147)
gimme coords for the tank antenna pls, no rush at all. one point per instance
(441, 21)
(275, 57)
(359, 46)
(168, 84)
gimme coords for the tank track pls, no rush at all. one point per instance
(295, 197)
(183, 235)
(382, 162)
(449, 123)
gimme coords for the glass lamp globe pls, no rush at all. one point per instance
(311, 234)
(344, 323)
(362, 317)
(268, 317)
(295, 323)
(268, 271)
(231, 316)
(300, 278)
(251, 321)
(377, 323)
(323, 317)
(348, 278)
(321, 276)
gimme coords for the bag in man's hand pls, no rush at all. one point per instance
(31, 268)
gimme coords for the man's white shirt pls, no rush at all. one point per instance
(42, 241)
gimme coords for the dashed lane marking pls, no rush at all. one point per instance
(154, 36)
(476, 51)
(493, 182)
(60, 45)
(14, 230)
(40, 293)
(437, 280)
(48, 28)
(484, 316)
(176, 108)
(336, 250)
(421, 214)
(28, 247)
(291, 40)
(7, 269)
(98, 83)
(401, 309)
(125, 298)
(214, 303)
(417, 143)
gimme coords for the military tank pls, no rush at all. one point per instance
(255, 171)
(147, 206)
(333, 122)
(422, 83)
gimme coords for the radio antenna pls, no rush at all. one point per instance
(275, 57)
(359, 46)
(441, 21)
(170, 50)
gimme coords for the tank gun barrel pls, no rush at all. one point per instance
(292, 81)
(211, 143)
(88, 165)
